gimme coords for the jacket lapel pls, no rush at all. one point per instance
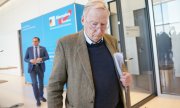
(32, 52)
(84, 57)
(112, 51)
(109, 45)
(40, 51)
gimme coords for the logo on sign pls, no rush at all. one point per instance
(52, 21)
(60, 19)
(64, 18)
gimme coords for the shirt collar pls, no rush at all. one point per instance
(35, 46)
(89, 41)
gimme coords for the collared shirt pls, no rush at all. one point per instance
(89, 41)
(34, 51)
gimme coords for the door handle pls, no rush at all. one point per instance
(128, 59)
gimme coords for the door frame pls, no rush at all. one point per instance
(20, 52)
(123, 47)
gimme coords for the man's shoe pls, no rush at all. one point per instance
(43, 99)
(38, 103)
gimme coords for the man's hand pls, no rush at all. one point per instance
(33, 61)
(126, 79)
(38, 60)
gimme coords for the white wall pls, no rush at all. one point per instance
(12, 15)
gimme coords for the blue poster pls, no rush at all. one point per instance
(50, 28)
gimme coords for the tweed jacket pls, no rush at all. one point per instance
(72, 67)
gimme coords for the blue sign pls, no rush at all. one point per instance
(50, 28)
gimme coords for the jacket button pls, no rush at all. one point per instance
(92, 101)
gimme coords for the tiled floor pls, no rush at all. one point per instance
(163, 102)
(16, 91)
(137, 96)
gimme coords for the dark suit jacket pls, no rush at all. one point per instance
(72, 66)
(30, 55)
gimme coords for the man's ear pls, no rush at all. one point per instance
(82, 20)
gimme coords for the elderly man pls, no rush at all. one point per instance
(84, 62)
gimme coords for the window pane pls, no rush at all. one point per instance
(158, 15)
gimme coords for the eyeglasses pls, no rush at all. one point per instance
(35, 41)
(96, 25)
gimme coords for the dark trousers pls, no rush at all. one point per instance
(37, 73)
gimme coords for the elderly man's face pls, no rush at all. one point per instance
(95, 23)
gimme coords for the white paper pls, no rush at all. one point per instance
(118, 57)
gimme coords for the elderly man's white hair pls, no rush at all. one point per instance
(97, 4)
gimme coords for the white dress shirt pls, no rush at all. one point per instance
(34, 51)
(89, 41)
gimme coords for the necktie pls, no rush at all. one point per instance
(36, 52)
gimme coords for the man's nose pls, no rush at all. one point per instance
(99, 31)
(100, 28)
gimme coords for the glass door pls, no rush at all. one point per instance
(167, 25)
(130, 25)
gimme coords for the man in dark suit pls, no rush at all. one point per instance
(35, 57)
